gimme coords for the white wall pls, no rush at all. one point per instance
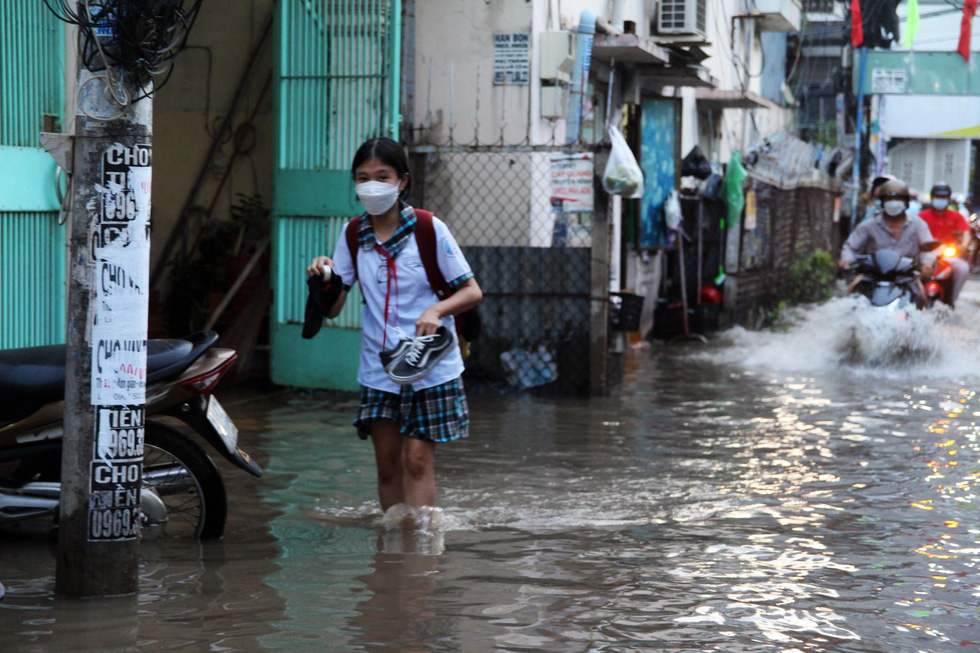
(457, 36)
(728, 63)
(939, 32)
(924, 162)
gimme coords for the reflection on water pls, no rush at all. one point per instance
(755, 495)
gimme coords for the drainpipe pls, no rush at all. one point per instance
(580, 75)
(749, 25)
(395, 71)
(858, 129)
(618, 9)
(615, 202)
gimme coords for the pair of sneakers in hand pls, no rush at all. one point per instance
(414, 357)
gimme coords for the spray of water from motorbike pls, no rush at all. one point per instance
(847, 333)
(885, 320)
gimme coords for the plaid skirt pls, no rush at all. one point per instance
(437, 414)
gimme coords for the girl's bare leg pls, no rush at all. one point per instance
(388, 456)
(418, 472)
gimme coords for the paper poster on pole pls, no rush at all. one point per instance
(572, 182)
(118, 328)
(122, 254)
(751, 218)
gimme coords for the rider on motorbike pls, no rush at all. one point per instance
(891, 229)
(873, 209)
(950, 228)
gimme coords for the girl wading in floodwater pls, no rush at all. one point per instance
(411, 392)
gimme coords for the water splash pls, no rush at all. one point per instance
(410, 529)
(423, 519)
(846, 333)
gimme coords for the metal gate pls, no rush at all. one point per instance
(337, 84)
(525, 217)
(32, 243)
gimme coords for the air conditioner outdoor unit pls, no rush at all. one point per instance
(682, 17)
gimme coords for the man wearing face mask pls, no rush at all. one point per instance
(873, 208)
(891, 229)
(950, 228)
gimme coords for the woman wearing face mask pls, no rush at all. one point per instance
(402, 317)
(892, 229)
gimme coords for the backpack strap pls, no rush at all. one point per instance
(425, 237)
(350, 231)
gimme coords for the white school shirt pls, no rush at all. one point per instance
(411, 294)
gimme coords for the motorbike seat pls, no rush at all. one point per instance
(33, 376)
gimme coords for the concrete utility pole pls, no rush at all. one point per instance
(105, 392)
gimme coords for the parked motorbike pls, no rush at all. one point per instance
(889, 281)
(182, 493)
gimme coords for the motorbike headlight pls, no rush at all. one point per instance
(949, 252)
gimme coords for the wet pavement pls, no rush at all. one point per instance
(808, 489)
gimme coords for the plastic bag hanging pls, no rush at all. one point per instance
(731, 188)
(672, 211)
(623, 175)
(695, 164)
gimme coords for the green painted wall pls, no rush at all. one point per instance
(32, 243)
(329, 360)
(28, 175)
(336, 85)
(924, 73)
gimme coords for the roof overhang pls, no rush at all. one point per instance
(696, 76)
(628, 48)
(716, 98)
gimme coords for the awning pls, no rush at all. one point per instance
(628, 48)
(653, 76)
(716, 98)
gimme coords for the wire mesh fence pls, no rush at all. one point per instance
(523, 217)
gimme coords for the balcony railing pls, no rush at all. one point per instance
(819, 6)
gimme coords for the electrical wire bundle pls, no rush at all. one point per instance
(139, 38)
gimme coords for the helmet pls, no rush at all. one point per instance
(878, 181)
(710, 295)
(894, 189)
(941, 188)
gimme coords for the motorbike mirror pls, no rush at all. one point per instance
(929, 245)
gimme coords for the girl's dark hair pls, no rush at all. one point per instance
(388, 152)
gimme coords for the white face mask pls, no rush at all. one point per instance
(894, 207)
(940, 204)
(377, 196)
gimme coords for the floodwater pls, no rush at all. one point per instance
(808, 489)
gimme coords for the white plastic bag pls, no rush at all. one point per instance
(623, 175)
(672, 211)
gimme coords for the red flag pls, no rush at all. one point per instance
(857, 30)
(969, 11)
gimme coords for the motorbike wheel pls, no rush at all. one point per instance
(187, 481)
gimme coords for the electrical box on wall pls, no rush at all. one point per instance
(554, 102)
(557, 56)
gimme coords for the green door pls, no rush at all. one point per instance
(32, 243)
(337, 73)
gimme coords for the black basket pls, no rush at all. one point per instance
(624, 311)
